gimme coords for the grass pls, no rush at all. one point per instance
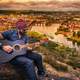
(60, 57)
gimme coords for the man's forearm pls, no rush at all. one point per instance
(1, 36)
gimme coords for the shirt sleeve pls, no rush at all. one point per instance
(6, 34)
(1, 44)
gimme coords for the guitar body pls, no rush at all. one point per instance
(6, 57)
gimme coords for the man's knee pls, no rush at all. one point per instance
(25, 61)
(37, 56)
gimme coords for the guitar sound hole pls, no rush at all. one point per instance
(17, 47)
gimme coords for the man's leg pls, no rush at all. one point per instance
(37, 58)
(27, 65)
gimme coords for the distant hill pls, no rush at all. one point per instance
(37, 12)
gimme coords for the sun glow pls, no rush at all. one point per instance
(23, 1)
(68, 0)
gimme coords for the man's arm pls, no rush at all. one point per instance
(3, 45)
(1, 36)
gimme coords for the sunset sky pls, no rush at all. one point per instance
(37, 0)
(40, 4)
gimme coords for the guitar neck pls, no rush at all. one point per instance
(30, 25)
(33, 45)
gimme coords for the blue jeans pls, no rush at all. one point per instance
(26, 63)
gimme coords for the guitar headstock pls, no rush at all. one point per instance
(29, 26)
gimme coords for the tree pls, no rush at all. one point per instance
(74, 34)
(78, 34)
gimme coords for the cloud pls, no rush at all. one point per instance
(22, 1)
(50, 5)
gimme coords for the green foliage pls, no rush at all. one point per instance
(63, 54)
(54, 64)
(33, 34)
(36, 35)
(51, 45)
(74, 61)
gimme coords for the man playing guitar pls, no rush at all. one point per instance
(23, 60)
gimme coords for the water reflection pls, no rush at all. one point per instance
(61, 39)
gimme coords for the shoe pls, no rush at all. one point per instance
(41, 78)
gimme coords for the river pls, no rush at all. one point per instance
(50, 31)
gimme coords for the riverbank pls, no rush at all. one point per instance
(62, 59)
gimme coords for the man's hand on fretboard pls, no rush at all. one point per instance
(32, 46)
